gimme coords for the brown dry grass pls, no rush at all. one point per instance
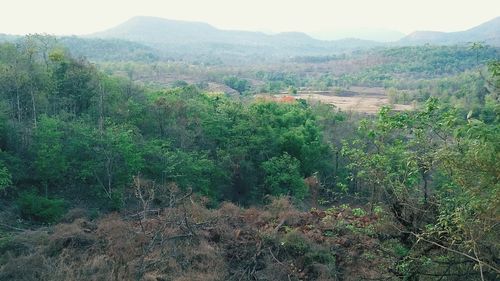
(190, 242)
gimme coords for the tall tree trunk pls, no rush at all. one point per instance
(101, 109)
(18, 105)
(34, 106)
(426, 190)
(18, 99)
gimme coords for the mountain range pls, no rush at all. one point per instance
(488, 33)
(164, 32)
(373, 34)
(179, 36)
(151, 38)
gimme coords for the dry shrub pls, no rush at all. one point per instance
(256, 217)
(275, 271)
(69, 236)
(200, 276)
(221, 232)
(321, 272)
(73, 214)
(185, 259)
(207, 263)
(387, 228)
(120, 242)
(33, 267)
(198, 213)
(25, 243)
(279, 205)
(283, 209)
(229, 210)
(191, 242)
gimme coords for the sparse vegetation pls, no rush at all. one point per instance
(159, 163)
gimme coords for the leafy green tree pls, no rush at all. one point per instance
(194, 170)
(40, 208)
(75, 83)
(468, 210)
(437, 173)
(5, 177)
(282, 177)
(117, 157)
(238, 84)
(50, 162)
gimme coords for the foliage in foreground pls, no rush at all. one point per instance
(186, 241)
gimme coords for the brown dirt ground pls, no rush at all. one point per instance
(356, 99)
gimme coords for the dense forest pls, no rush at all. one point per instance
(128, 166)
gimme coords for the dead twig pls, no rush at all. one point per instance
(274, 258)
(12, 227)
(480, 262)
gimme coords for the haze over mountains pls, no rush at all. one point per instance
(197, 39)
(176, 35)
(152, 38)
(373, 34)
(153, 30)
(488, 32)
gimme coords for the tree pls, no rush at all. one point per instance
(117, 157)
(240, 85)
(5, 177)
(50, 162)
(75, 83)
(282, 177)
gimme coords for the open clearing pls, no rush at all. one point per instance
(358, 99)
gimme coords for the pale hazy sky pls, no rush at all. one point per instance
(87, 16)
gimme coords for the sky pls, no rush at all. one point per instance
(66, 17)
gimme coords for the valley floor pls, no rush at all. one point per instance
(357, 99)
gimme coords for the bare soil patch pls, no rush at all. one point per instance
(356, 99)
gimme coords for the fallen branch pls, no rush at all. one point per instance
(12, 227)
(277, 228)
(480, 262)
(142, 212)
(274, 258)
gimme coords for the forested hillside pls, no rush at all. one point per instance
(132, 167)
(197, 38)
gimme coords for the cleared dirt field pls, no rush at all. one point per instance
(358, 99)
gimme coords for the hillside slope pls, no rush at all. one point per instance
(184, 36)
(488, 32)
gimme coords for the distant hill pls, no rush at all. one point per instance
(374, 34)
(488, 32)
(164, 31)
(8, 37)
(97, 49)
(196, 37)
(149, 39)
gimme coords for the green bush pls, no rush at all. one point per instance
(396, 248)
(358, 212)
(5, 239)
(5, 177)
(116, 201)
(319, 256)
(39, 208)
(295, 243)
(283, 176)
